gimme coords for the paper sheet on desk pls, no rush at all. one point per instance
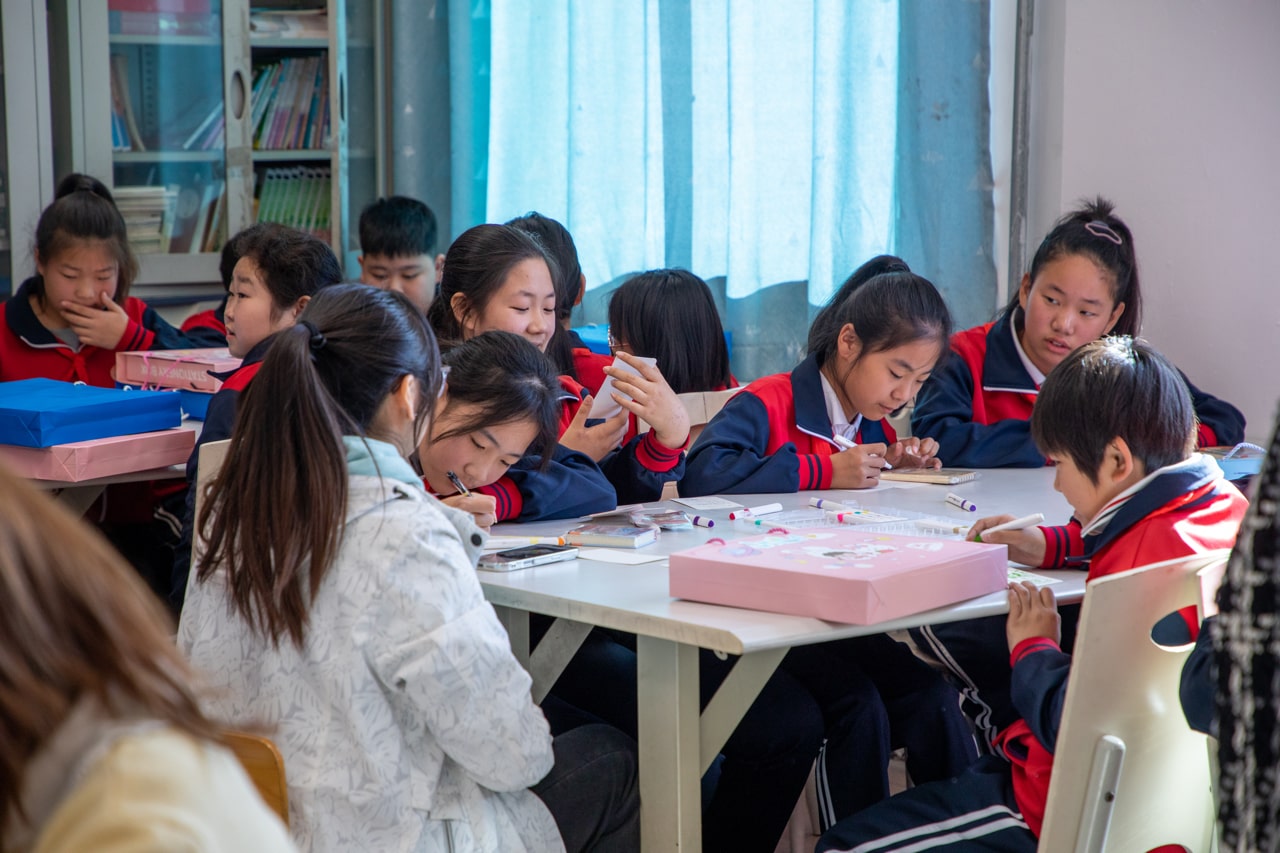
(1020, 575)
(711, 502)
(604, 406)
(624, 558)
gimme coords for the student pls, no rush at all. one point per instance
(209, 328)
(565, 349)
(1117, 421)
(670, 315)
(397, 246)
(496, 277)
(104, 745)
(785, 433)
(500, 402)
(70, 319)
(279, 270)
(1083, 284)
(338, 602)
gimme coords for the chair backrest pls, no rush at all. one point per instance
(265, 766)
(1128, 772)
(212, 455)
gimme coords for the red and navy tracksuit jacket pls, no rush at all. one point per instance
(218, 425)
(774, 436)
(590, 367)
(207, 328)
(30, 351)
(1187, 509)
(978, 406)
(574, 485)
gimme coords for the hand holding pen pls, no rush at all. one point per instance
(857, 466)
(1025, 540)
(483, 508)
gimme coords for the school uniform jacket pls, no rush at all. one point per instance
(773, 436)
(218, 424)
(1189, 510)
(30, 351)
(207, 328)
(978, 406)
(590, 367)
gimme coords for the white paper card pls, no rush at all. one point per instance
(625, 558)
(710, 502)
(1020, 575)
(604, 406)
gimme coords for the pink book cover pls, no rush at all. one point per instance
(183, 369)
(102, 457)
(838, 575)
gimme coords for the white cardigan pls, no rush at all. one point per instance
(405, 721)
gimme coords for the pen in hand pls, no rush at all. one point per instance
(1017, 524)
(457, 484)
(846, 444)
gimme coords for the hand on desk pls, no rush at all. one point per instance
(913, 453)
(1033, 612)
(858, 467)
(1026, 546)
(483, 507)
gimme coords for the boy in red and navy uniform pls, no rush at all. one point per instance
(28, 350)
(774, 436)
(978, 406)
(1118, 421)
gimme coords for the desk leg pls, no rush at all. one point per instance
(670, 790)
(78, 499)
(733, 697)
(517, 624)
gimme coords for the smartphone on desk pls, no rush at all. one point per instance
(526, 556)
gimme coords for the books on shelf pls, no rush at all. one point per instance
(290, 104)
(146, 210)
(297, 196)
(192, 220)
(125, 135)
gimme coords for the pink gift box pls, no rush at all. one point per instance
(838, 575)
(184, 369)
(101, 457)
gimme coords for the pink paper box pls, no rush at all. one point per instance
(839, 575)
(184, 369)
(102, 457)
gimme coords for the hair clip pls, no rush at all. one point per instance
(1098, 228)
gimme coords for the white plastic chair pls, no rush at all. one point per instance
(1128, 772)
(212, 455)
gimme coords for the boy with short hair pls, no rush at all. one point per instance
(1116, 419)
(397, 245)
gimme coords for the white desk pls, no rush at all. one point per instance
(677, 743)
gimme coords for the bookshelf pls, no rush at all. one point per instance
(208, 115)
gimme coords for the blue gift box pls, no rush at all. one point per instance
(195, 404)
(45, 412)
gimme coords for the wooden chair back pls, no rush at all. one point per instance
(265, 766)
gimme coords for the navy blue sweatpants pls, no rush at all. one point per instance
(973, 812)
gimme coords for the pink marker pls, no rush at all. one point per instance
(754, 510)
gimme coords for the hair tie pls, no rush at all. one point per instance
(317, 340)
(1098, 228)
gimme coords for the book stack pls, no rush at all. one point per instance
(298, 196)
(147, 212)
(291, 104)
(290, 23)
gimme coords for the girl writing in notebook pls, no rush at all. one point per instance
(500, 402)
(822, 425)
(338, 602)
(497, 277)
(1082, 285)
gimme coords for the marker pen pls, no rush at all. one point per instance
(1017, 524)
(957, 501)
(503, 542)
(754, 510)
(940, 526)
(826, 503)
(703, 521)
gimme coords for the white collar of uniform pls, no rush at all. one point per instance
(835, 412)
(1034, 372)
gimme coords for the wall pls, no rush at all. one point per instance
(1170, 108)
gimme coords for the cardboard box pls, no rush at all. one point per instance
(838, 575)
(101, 457)
(45, 412)
(183, 369)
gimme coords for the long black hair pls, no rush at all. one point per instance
(84, 209)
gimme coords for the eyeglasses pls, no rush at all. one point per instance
(444, 380)
(615, 345)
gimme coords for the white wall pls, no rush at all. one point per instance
(1172, 109)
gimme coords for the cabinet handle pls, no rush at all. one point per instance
(236, 94)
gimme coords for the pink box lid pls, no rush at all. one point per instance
(102, 457)
(184, 369)
(838, 575)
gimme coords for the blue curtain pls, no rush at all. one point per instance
(769, 147)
